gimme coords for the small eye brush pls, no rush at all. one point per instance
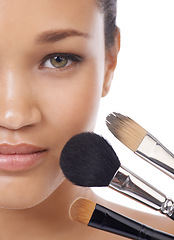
(97, 216)
(88, 160)
(141, 142)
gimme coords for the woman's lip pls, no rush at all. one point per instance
(22, 148)
(20, 157)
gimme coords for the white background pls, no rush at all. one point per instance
(143, 87)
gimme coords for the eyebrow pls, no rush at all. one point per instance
(54, 36)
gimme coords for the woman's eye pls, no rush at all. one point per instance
(57, 62)
(60, 60)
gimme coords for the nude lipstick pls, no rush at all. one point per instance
(19, 157)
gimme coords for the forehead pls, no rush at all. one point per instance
(27, 18)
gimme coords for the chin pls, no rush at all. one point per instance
(21, 203)
(25, 198)
(29, 189)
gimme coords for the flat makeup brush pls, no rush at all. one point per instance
(88, 160)
(141, 142)
(97, 216)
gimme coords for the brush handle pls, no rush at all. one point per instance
(110, 221)
(135, 187)
(154, 152)
(172, 216)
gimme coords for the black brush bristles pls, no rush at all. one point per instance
(88, 160)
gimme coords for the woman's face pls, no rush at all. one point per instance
(52, 68)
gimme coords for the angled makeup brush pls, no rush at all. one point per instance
(97, 216)
(88, 160)
(141, 142)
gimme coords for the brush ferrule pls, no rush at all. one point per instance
(133, 186)
(155, 153)
(168, 208)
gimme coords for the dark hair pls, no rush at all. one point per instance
(109, 9)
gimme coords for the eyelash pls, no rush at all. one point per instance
(73, 58)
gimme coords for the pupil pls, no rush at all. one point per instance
(58, 59)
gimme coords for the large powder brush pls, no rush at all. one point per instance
(88, 160)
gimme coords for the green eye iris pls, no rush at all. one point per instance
(63, 60)
(58, 61)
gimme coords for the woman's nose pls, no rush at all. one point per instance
(18, 106)
(17, 117)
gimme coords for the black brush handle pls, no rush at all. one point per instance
(172, 217)
(110, 221)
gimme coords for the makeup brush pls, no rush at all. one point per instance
(88, 160)
(141, 142)
(97, 216)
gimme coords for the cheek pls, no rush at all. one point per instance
(72, 105)
(80, 108)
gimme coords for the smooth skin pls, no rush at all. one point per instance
(54, 69)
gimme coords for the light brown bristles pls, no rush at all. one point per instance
(126, 130)
(81, 210)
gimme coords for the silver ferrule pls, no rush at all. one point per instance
(155, 153)
(133, 186)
